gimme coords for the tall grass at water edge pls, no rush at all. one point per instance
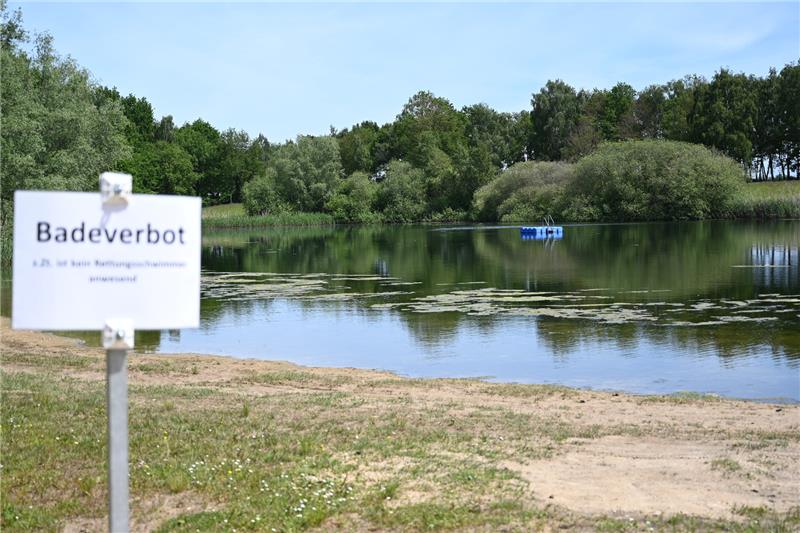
(234, 216)
(768, 200)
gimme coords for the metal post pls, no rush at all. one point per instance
(115, 190)
(117, 406)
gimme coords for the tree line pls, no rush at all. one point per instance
(60, 130)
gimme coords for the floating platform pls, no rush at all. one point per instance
(541, 232)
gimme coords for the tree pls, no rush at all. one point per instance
(401, 195)
(724, 114)
(587, 132)
(55, 134)
(237, 164)
(648, 112)
(161, 168)
(261, 149)
(432, 135)
(141, 124)
(321, 169)
(767, 137)
(583, 140)
(678, 107)
(618, 113)
(307, 171)
(22, 135)
(496, 131)
(428, 121)
(203, 143)
(165, 129)
(353, 199)
(12, 32)
(789, 118)
(260, 195)
(356, 147)
(555, 114)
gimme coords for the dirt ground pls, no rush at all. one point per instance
(691, 455)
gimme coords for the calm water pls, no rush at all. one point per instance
(649, 308)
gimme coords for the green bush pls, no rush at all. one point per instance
(447, 215)
(532, 204)
(654, 180)
(525, 191)
(352, 201)
(579, 208)
(260, 196)
(401, 194)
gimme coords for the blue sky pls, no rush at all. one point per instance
(288, 69)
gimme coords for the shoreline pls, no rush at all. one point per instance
(677, 394)
(525, 456)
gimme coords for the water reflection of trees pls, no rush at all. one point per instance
(688, 259)
(778, 265)
(695, 260)
(728, 341)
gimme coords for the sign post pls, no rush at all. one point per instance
(118, 338)
(127, 261)
(117, 410)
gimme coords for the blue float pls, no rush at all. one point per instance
(541, 232)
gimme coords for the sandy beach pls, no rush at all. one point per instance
(566, 458)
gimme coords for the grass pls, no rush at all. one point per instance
(234, 216)
(725, 464)
(682, 397)
(295, 377)
(770, 190)
(762, 200)
(223, 211)
(277, 461)
(292, 450)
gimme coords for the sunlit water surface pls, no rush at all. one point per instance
(710, 307)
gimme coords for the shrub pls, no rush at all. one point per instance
(353, 199)
(260, 195)
(448, 214)
(654, 180)
(523, 190)
(531, 204)
(401, 194)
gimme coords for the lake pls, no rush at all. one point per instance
(709, 307)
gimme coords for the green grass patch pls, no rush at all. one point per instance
(441, 515)
(764, 200)
(679, 398)
(298, 458)
(52, 361)
(161, 367)
(259, 460)
(280, 219)
(760, 440)
(725, 464)
(223, 211)
(770, 190)
(297, 377)
(755, 520)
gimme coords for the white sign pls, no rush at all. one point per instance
(78, 262)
